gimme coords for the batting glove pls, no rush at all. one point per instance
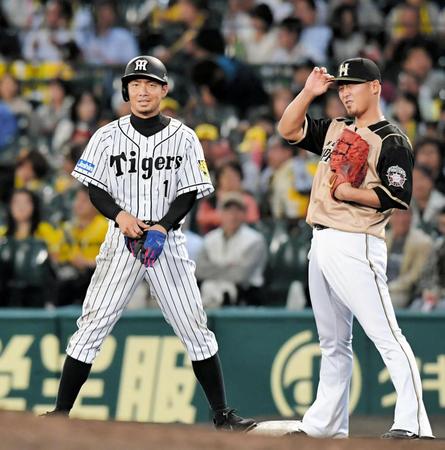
(134, 245)
(153, 245)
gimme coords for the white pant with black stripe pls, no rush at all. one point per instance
(172, 282)
(347, 277)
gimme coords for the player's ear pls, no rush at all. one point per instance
(164, 90)
(376, 87)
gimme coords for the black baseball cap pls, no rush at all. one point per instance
(357, 70)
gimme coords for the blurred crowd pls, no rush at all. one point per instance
(234, 66)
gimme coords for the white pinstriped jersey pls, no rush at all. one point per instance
(144, 174)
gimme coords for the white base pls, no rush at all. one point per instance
(276, 427)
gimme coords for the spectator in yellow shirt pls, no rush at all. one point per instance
(82, 238)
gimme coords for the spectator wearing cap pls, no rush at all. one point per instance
(289, 49)
(426, 201)
(170, 107)
(208, 135)
(231, 263)
(408, 252)
(229, 178)
(261, 43)
(251, 152)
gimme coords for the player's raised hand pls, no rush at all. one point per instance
(129, 225)
(318, 81)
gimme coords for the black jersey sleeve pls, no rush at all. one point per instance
(314, 134)
(395, 169)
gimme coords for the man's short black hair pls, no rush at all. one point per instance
(291, 24)
(212, 40)
(264, 13)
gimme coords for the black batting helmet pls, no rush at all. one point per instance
(143, 67)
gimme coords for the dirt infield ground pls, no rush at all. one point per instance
(23, 431)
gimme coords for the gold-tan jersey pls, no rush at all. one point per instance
(390, 163)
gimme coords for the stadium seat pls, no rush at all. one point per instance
(287, 260)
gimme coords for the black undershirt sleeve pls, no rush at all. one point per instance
(106, 205)
(103, 202)
(179, 208)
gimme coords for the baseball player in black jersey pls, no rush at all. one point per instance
(365, 171)
(144, 172)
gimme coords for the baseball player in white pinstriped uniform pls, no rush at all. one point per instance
(144, 172)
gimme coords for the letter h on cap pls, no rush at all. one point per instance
(343, 71)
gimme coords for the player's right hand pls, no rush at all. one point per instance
(318, 81)
(129, 225)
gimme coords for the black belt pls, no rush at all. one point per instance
(317, 226)
(150, 223)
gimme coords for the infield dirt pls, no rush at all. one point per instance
(24, 431)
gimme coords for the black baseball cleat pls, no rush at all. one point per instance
(399, 434)
(55, 413)
(226, 419)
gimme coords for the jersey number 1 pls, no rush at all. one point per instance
(165, 188)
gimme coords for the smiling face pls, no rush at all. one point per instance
(358, 98)
(145, 96)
